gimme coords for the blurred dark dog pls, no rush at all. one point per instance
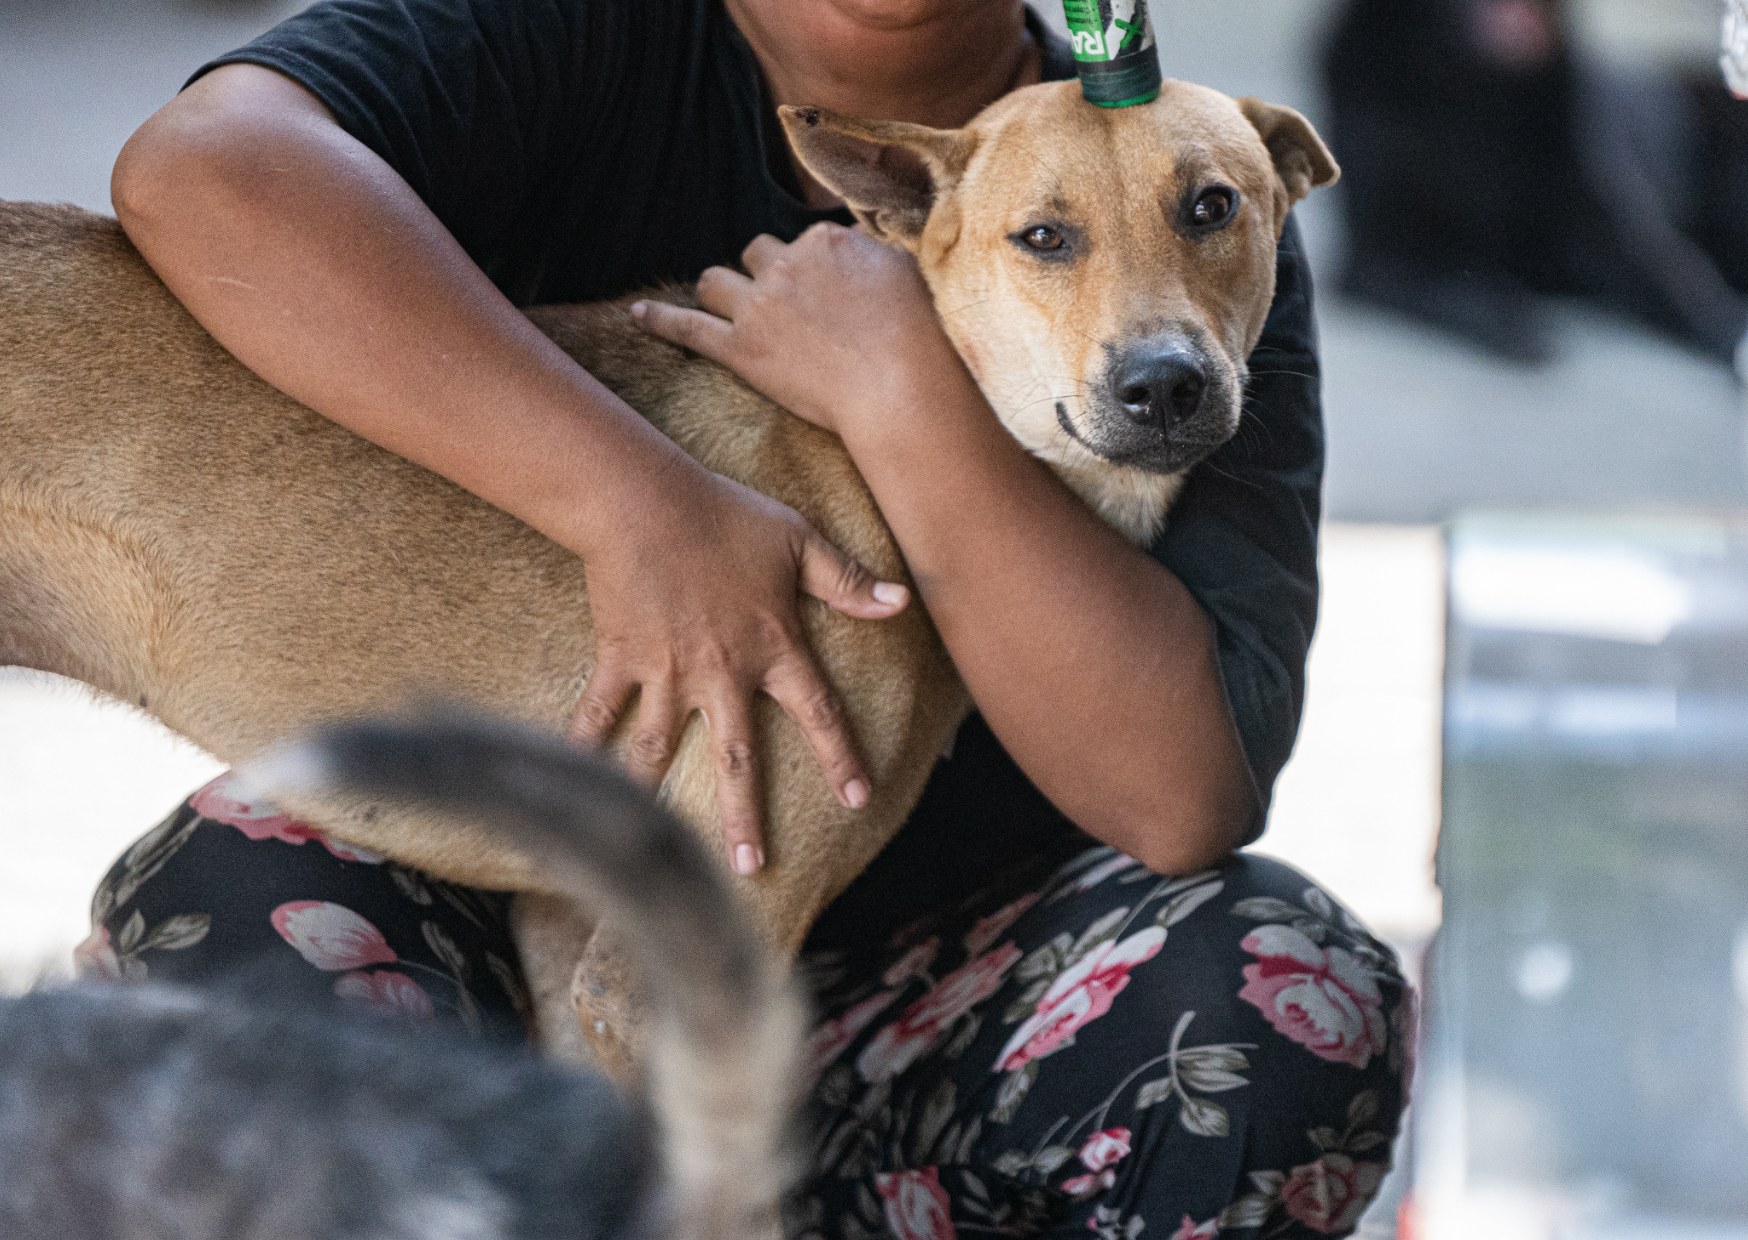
(153, 1111)
(157, 1111)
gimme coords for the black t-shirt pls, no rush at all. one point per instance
(581, 149)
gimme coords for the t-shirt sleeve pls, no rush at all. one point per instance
(1243, 535)
(468, 100)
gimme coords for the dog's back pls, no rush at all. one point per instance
(158, 1111)
(176, 533)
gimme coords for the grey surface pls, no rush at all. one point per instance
(77, 77)
(1419, 426)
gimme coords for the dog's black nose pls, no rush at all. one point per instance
(1159, 386)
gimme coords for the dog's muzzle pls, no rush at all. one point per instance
(1162, 405)
(1160, 387)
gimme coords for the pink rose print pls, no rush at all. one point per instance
(989, 929)
(95, 959)
(829, 1039)
(259, 820)
(386, 991)
(1321, 998)
(262, 820)
(917, 1207)
(1330, 1194)
(914, 963)
(1084, 1186)
(903, 1042)
(1081, 995)
(1101, 1150)
(331, 936)
(1104, 1148)
(1189, 1229)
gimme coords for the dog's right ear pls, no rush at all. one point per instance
(889, 173)
(1302, 160)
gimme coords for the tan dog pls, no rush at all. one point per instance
(177, 534)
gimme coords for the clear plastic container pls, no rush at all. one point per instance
(1586, 1070)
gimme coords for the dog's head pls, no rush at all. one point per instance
(1104, 272)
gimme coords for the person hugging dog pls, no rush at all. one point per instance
(1060, 999)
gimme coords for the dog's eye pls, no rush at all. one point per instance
(1213, 206)
(1043, 237)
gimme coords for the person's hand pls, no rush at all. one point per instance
(835, 327)
(694, 599)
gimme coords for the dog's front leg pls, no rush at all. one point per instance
(551, 932)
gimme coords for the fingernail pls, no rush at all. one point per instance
(887, 592)
(856, 794)
(639, 309)
(748, 859)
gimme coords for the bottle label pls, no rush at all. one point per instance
(1114, 51)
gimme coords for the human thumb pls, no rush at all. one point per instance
(846, 585)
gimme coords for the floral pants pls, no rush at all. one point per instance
(224, 888)
(1077, 1045)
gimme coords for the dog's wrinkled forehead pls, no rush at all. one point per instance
(1055, 135)
(1130, 178)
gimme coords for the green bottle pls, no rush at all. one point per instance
(1113, 51)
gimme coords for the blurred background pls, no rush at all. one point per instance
(1529, 296)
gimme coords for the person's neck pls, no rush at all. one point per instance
(934, 62)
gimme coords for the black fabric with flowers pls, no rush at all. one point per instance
(1078, 1045)
(1084, 1045)
(225, 887)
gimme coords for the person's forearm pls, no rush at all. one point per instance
(322, 271)
(1093, 665)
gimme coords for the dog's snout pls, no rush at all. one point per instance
(1160, 387)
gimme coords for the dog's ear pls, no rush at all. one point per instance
(889, 173)
(1301, 159)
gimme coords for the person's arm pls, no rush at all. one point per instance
(1091, 662)
(317, 265)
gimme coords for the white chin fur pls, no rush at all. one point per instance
(1132, 500)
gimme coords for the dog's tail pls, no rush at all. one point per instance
(725, 1024)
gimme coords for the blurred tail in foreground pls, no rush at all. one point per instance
(725, 1025)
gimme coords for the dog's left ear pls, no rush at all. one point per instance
(1301, 159)
(890, 173)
